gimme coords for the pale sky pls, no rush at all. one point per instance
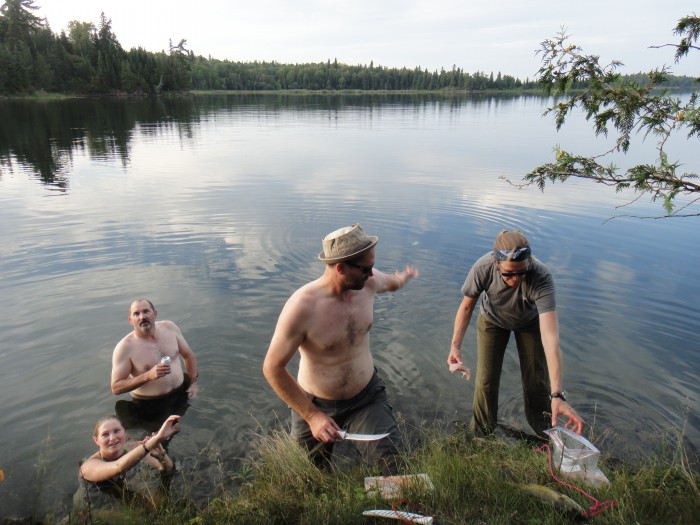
(475, 36)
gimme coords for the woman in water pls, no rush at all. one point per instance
(107, 473)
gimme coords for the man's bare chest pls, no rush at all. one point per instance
(340, 326)
(147, 354)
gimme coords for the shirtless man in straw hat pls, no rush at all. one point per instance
(328, 321)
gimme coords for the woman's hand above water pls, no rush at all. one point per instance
(169, 427)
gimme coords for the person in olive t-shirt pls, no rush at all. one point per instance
(517, 295)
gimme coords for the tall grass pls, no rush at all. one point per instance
(475, 481)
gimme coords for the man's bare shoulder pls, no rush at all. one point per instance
(168, 326)
(379, 283)
(376, 282)
(302, 304)
(311, 291)
(126, 344)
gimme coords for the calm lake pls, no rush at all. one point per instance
(215, 207)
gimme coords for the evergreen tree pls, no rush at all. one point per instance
(17, 23)
(109, 58)
(611, 101)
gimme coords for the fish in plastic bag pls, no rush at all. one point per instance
(575, 457)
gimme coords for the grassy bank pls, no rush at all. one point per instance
(475, 482)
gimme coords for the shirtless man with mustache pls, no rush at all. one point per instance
(137, 366)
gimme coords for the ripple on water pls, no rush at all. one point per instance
(219, 220)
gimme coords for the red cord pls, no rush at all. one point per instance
(593, 510)
(399, 511)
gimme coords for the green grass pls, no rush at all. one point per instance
(476, 482)
(40, 96)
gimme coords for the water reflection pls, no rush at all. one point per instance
(214, 207)
(43, 137)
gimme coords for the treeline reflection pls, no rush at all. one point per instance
(42, 137)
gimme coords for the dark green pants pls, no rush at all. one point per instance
(491, 346)
(366, 413)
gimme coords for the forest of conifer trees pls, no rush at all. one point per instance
(90, 60)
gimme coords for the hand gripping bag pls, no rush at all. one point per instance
(575, 457)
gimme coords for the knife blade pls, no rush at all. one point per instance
(361, 437)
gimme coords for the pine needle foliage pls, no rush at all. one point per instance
(629, 108)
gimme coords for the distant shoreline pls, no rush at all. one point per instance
(43, 96)
(325, 92)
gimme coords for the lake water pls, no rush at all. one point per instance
(215, 207)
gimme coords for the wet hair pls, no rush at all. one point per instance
(96, 430)
(141, 299)
(510, 241)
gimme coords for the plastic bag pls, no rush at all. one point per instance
(575, 457)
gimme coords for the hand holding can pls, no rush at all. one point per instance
(166, 360)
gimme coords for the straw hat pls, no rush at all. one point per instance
(345, 244)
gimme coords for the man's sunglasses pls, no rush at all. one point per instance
(363, 269)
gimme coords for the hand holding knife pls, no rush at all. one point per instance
(360, 437)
